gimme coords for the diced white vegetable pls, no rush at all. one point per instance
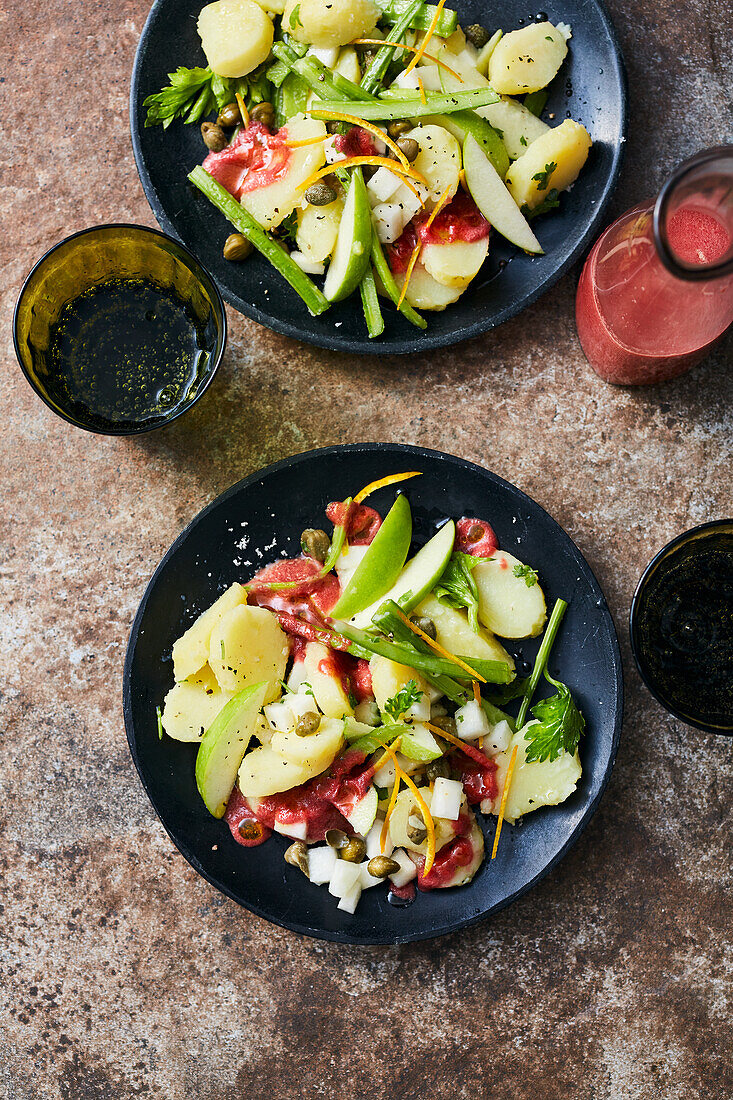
(373, 842)
(447, 795)
(420, 710)
(498, 739)
(407, 201)
(344, 877)
(382, 187)
(471, 721)
(321, 864)
(311, 267)
(279, 716)
(406, 80)
(301, 703)
(407, 871)
(298, 830)
(389, 221)
(327, 54)
(367, 880)
(367, 713)
(350, 901)
(565, 30)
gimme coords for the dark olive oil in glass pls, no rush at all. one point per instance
(682, 627)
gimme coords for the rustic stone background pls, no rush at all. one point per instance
(123, 973)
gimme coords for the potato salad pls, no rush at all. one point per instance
(363, 702)
(371, 149)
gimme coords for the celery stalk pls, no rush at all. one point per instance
(370, 302)
(374, 75)
(447, 21)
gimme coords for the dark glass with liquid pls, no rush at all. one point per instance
(682, 627)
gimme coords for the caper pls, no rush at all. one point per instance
(447, 724)
(336, 838)
(314, 542)
(297, 856)
(333, 127)
(415, 829)
(236, 248)
(474, 532)
(263, 113)
(250, 830)
(409, 147)
(320, 194)
(437, 769)
(367, 57)
(214, 137)
(477, 35)
(399, 127)
(354, 851)
(307, 724)
(381, 866)
(229, 116)
(426, 625)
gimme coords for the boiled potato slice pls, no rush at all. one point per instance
(439, 160)
(455, 263)
(527, 60)
(552, 161)
(506, 604)
(236, 36)
(318, 228)
(463, 875)
(388, 678)
(270, 205)
(316, 751)
(519, 127)
(329, 24)
(318, 671)
(277, 7)
(546, 783)
(423, 292)
(191, 706)
(191, 650)
(453, 631)
(248, 646)
(405, 805)
(264, 772)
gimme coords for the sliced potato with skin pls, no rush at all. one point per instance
(191, 650)
(423, 292)
(553, 161)
(317, 750)
(271, 204)
(405, 806)
(318, 228)
(539, 783)
(439, 160)
(319, 672)
(389, 677)
(248, 646)
(506, 604)
(454, 263)
(329, 24)
(453, 631)
(192, 705)
(527, 59)
(236, 36)
(264, 772)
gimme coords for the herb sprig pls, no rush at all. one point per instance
(528, 573)
(194, 93)
(401, 702)
(457, 586)
(543, 177)
(561, 725)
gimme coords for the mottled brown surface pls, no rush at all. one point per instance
(123, 973)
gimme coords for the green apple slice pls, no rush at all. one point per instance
(381, 565)
(462, 123)
(353, 245)
(419, 575)
(419, 744)
(494, 200)
(223, 747)
(361, 818)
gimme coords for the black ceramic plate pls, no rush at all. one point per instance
(591, 87)
(252, 523)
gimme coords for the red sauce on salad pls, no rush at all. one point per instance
(237, 814)
(454, 855)
(361, 681)
(479, 781)
(475, 537)
(256, 158)
(355, 143)
(313, 596)
(460, 220)
(362, 522)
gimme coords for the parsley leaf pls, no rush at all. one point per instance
(560, 728)
(194, 93)
(529, 574)
(457, 587)
(522, 139)
(543, 177)
(408, 694)
(550, 202)
(288, 228)
(294, 18)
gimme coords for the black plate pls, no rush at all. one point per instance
(267, 511)
(591, 87)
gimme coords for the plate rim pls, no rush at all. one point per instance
(340, 936)
(400, 345)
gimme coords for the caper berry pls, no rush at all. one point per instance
(426, 625)
(437, 769)
(229, 116)
(447, 724)
(477, 35)
(320, 194)
(354, 851)
(307, 724)
(263, 113)
(315, 543)
(297, 856)
(336, 838)
(399, 127)
(381, 866)
(236, 248)
(214, 137)
(409, 147)
(415, 829)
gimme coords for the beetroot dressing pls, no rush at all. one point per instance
(256, 158)
(460, 220)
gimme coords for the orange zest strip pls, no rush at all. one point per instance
(355, 162)
(386, 755)
(390, 808)
(427, 816)
(409, 49)
(444, 198)
(428, 35)
(340, 116)
(408, 274)
(477, 692)
(462, 179)
(382, 482)
(306, 141)
(439, 648)
(504, 796)
(242, 110)
(470, 750)
(423, 97)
